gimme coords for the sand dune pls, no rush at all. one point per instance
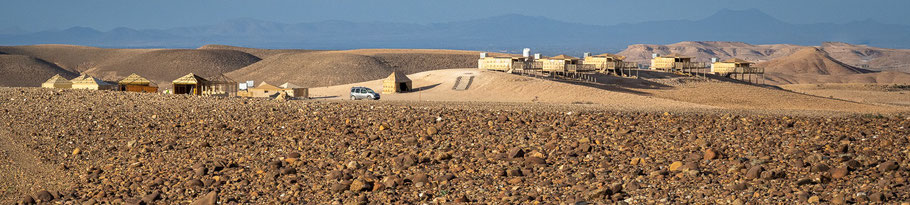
(21, 71)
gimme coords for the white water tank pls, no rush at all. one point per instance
(483, 55)
(654, 55)
(526, 52)
(537, 56)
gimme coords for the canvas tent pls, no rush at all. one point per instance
(396, 82)
(136, 83)
(295, 90)
(57, 81)
(268, 90)
(262, 90)
(91, 83)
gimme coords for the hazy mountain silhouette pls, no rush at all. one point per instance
(501, 33)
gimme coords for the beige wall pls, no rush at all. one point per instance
(489, 63)
(666, 63)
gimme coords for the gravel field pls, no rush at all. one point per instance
(99, 147)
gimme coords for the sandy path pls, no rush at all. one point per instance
(23, 171)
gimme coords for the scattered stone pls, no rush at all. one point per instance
(839, 172)
(516, 153)
(208, 199)
(151, 197)
(44, 196)
(819, 168)
(888, 166)
(813, 200)
(675, 166)
(709, 154)
(754, 172)
(359, 185)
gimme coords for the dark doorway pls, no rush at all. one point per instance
(404, 87)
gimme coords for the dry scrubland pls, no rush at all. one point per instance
(98, 146)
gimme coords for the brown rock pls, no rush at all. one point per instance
(26, 199)
(293, 155)
(419, 178)
(813, 200)
(341, 186)
(151, 197)
(535, 160)
(208, 199)
(44, 196)
(462, 199)
(754, 172)
(820, 168)
(710, 154)
(515, 180)
(432, 130)
(888, 166)
(515, 153)
(194, 183)
(675, 166)
(740, 186)
(839, 172)
(359, 185)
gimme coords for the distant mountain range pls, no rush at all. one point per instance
(508, 33)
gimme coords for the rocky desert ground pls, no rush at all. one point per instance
(103, 147)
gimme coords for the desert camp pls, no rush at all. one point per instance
(136, 83)
(362, 102)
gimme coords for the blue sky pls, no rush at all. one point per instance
(35, 15)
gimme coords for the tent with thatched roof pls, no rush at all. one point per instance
(136, 83)
(189, 84)
(91, 83)
(220, 85)
(396, 82)
(57, 81)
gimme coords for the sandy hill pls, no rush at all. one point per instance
(812, 65)
(649, 93)
(20, 71)
(163, 66)
(314, 69)
(73, 58)
(159, 65)
(261, 53)
(704, 51)
(810, 60)
(327, 68)
(872, 58)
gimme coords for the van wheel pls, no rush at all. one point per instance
(353, 98)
